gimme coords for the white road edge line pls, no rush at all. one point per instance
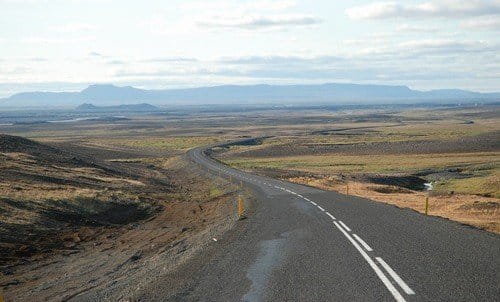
(363, 243)
(395, 293)
(345, 226)
(331, 216)
(313, 202)
(319, 207)
(395, 276)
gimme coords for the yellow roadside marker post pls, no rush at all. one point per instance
(347, 188)
(427, 205)
(241, 208)
(1, 296)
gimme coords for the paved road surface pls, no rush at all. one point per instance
(305, 244)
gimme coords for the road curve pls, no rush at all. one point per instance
(305, 244)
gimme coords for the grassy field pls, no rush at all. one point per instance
(332, 144)
(486, 183)
(180, 144)
(455, 150)
(123, 186)
(340, 163)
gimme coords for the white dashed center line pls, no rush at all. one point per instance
(355, 240)
(363, 243)
(395, 276)
(345, 226)
(331, 216)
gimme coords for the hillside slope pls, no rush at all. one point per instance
(52, 199)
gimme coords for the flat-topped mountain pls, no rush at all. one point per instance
(333, 93)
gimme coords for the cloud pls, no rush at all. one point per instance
(483, 23)
(415, 28)
(116, 62)
(423, 50)
(74, 27)
(446, 46)
(435, 8)
(280, 60)
(254, 5)
(47, 1)
(52, 40)
(169, 59)
(219, 15)
(38, 59)
(260, 22)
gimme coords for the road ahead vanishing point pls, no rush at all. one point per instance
(305, 244)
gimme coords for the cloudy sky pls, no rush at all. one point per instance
(67, 44)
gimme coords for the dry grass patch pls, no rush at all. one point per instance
(482, 212)
(157, 143)
(342, 163)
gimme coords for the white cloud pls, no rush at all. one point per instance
(415, 28)
(75, 27)
(52, 40)
(248, 15)
(271, 5)
(259, 22)
(446, 46)
(169, 59)
(225, 5)
(422, 49)
(483, 23)
(435, 8)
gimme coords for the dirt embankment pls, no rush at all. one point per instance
(79, 226)
(51, 199)
(479, 211)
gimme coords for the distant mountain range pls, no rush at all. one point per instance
(333, 93)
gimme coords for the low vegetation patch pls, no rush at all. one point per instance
(161, 143)
(395, 161)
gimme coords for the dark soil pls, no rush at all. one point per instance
(444, 175)
(480, 143)
(37, 227)
(61, 222)
(390, 190)
(478, 205)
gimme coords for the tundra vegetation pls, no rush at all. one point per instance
(118, 198)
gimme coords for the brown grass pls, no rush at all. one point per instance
(482, 212)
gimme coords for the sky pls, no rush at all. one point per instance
(65, 45)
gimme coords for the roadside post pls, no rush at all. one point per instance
(241, 183)
(241, 208)
(426, 205)
(347, 189)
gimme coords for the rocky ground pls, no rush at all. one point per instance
(479, 143)
(80, 223)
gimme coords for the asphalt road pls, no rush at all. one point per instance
(305, 244)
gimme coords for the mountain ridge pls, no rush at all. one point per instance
(342, 93)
